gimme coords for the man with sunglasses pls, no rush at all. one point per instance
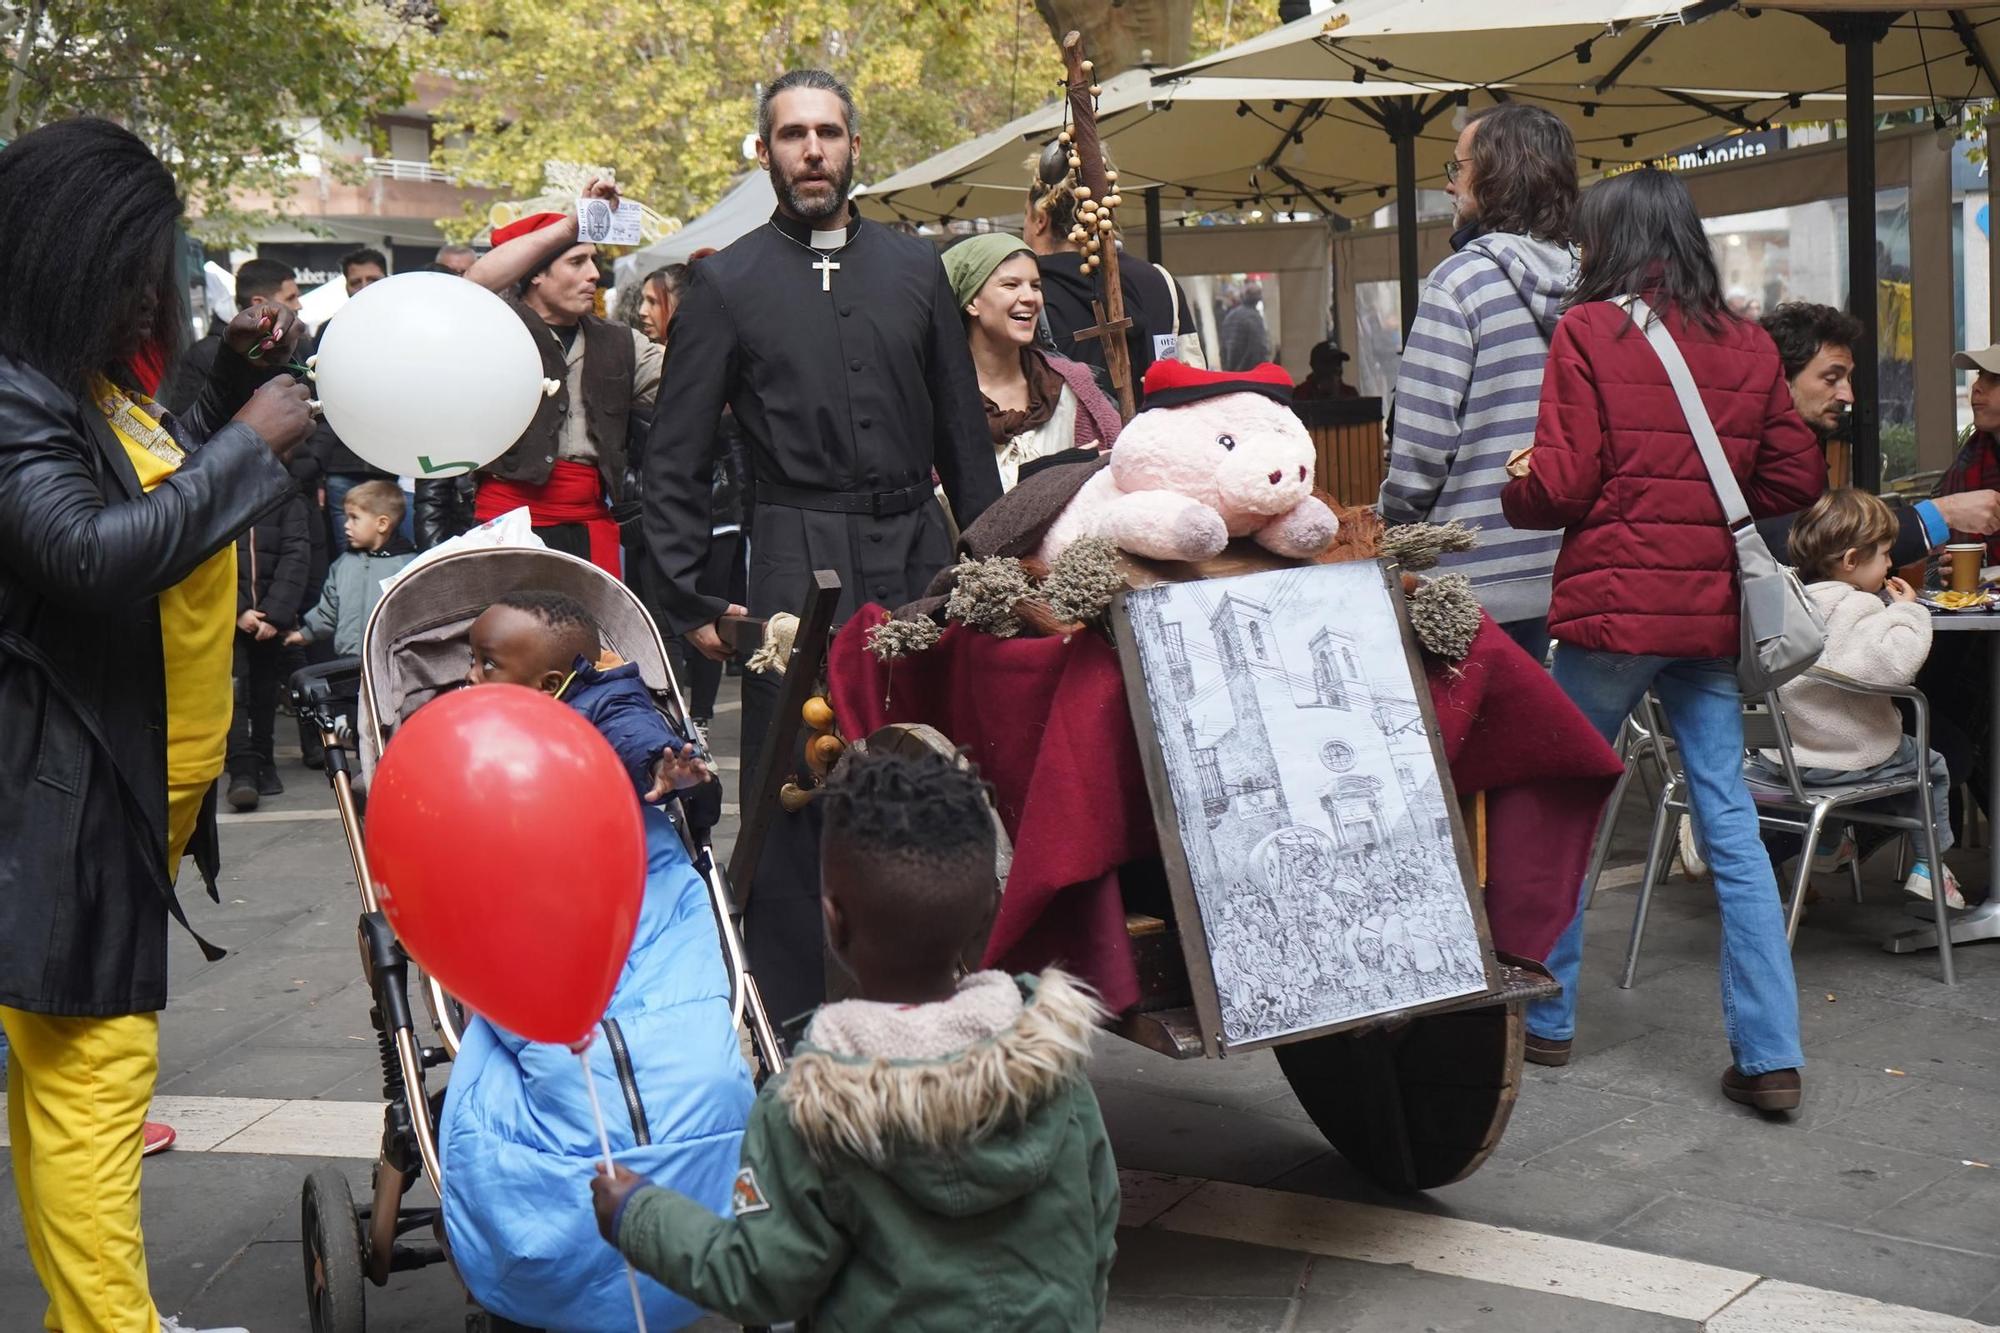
(1470, 381)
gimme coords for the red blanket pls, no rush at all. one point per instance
(1047, 723)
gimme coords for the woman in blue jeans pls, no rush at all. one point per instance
(1644, 593)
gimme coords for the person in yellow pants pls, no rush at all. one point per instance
(78, 1090)
(117, 606)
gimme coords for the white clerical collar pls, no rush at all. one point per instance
(829, 240)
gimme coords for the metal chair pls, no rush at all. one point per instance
(1790, 804)
(1650, 755)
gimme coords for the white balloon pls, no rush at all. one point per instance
(427, 375)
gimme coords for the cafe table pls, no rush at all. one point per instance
(1981, 922)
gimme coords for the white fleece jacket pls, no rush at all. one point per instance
(1880, 643)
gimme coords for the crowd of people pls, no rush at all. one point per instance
(174, 520)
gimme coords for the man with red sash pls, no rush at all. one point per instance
(569, 466)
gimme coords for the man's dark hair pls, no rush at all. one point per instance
(257, 278)
(89, 236)
(1524, 171)
(816, 79)
(1642, 235)
(454, 248)
(922, 827)
(568, 621)
(1801, 328)
(356, 258)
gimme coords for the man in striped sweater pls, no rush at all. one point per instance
(1471, 377)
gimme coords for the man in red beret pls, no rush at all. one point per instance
(569, 466)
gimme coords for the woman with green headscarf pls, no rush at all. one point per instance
(1038, 405)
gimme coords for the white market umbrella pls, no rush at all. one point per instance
(747, 206)
(1211, 143)
(1930, 49)
(320, 304)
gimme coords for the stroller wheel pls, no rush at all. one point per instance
(330, 1236)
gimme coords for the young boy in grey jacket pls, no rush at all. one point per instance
(1841, 547)
(376, 549)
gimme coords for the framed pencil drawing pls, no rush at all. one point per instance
(1319, 866)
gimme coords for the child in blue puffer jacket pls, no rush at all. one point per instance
(517, 1138)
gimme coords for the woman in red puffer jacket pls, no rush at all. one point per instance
(1644, 594)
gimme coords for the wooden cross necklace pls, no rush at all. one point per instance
(825, 264)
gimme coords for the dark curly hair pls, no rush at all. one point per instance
(89, 252)
(1524, 171)
(918, 832)
(1801, 328)
(572, 628)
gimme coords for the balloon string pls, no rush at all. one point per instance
(604, 1143)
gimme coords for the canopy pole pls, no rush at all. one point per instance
(1404, 122)
(1154, 245)
(1857, 35)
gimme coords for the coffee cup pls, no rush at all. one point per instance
(1962, 565)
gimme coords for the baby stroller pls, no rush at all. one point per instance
(413, 650)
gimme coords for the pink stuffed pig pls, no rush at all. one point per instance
(1213, 456)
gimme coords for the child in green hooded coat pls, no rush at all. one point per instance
(933, 1156)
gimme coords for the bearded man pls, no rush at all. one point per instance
(837, 344)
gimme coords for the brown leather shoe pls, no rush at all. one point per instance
(1546, 1051)
(1779, 1090)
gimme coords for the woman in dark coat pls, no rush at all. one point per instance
(117, 606)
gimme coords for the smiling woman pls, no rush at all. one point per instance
(1038, 405)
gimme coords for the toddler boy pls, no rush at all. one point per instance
(375, 550)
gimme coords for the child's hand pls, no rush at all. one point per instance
(677, 770)
(608, 1194)
(249, 621)
(295, 638)
(1898, 590)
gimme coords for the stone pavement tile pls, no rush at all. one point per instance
(1961, 1212)
(1686, 1070)
(1343, 1296)
(1552, 1113)
(1172, 1264)
(1155, 1131)
(312, 1129)
(1928, 1116)
(1988, 1310)
(202, 1122)
(1500, 1193)
(1688, 998)
(1781, 1307)
(1743, 1160)
(1964, 1050)
(1144, 1195)
(1247, 1079)
(200, 1211)
(274, 1071)
(1900, 1272)
(1192, 1314)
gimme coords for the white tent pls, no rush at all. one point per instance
(748, 206)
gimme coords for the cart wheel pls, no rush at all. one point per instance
(1418, 1105)
(331, 1239)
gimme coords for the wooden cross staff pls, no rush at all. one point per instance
(1109, 305)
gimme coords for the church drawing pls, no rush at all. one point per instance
(1315, 826)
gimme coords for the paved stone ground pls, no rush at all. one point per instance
(1877, 1188)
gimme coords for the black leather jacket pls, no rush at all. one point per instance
(84, 554)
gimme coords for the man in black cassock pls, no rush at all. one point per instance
(838, 346)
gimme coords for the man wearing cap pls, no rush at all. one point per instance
(568, 467)
(838, 346)
(1816, 345)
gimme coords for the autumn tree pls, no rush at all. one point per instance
(220, 92)
(666, 94)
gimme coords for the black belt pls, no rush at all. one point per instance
(876, 504)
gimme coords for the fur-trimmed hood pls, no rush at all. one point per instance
(961, 1132)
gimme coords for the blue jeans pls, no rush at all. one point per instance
(1760, 1000)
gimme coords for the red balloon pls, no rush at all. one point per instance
(508, 852)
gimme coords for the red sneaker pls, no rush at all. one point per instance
(157, 1138)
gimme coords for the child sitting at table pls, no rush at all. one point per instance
(933, 1156)
(1841, 547)
(516, 1134)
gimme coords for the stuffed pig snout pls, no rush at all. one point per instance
(1263, 476)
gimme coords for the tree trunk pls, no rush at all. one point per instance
(1119, 34)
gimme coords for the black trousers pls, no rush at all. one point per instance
(783, 933)
(261, 671)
